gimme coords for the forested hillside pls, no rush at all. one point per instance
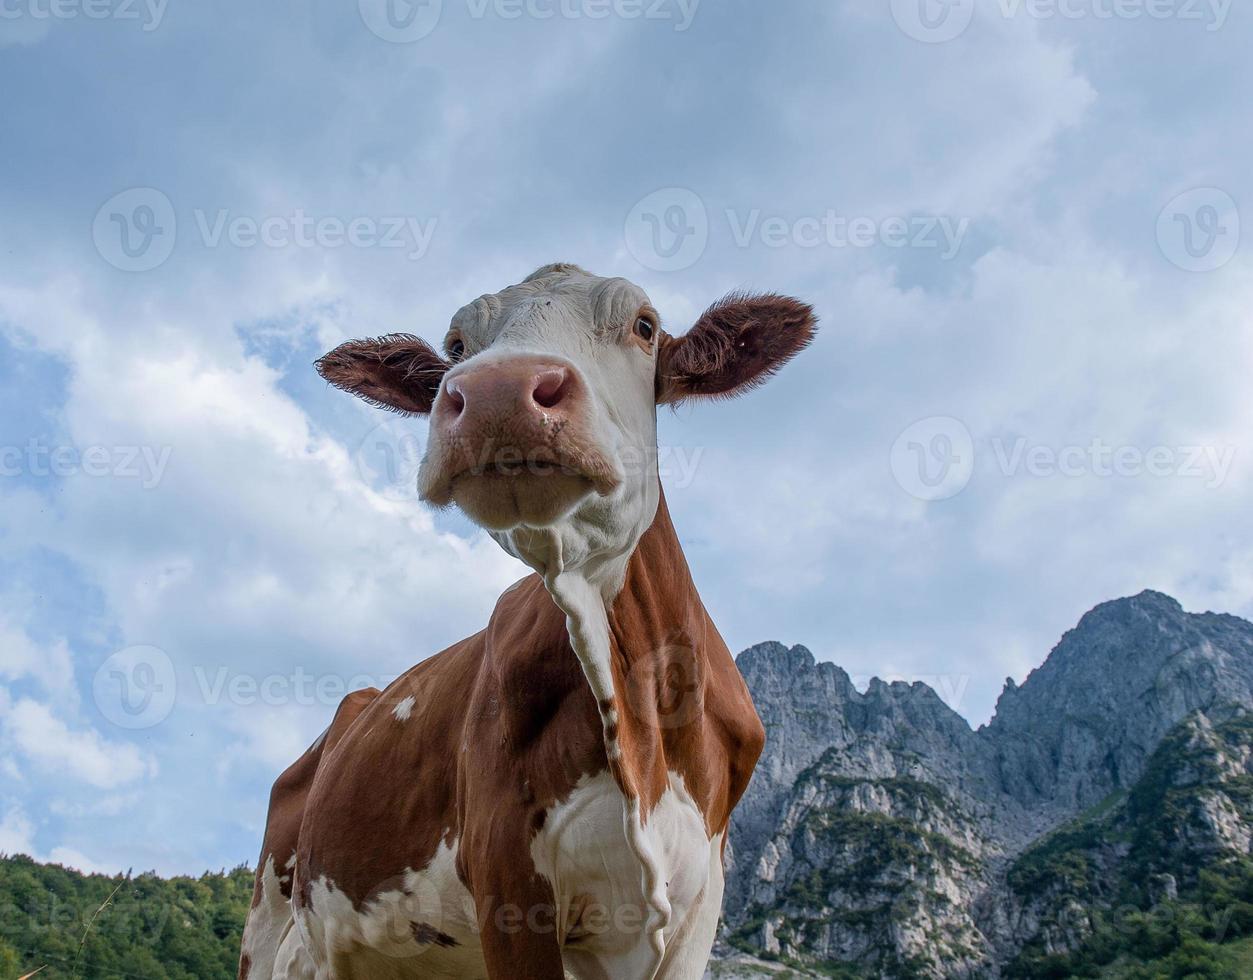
(99, 928)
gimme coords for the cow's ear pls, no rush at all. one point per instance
(399, 372)
(737, 344)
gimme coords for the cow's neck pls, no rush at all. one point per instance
(626, 611)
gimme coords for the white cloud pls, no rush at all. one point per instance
(17, 833)
(81, 754)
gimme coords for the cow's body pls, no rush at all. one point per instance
(476, 789)
(549, 797)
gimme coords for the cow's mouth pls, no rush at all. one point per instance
(501, 488)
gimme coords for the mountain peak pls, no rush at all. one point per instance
(773, 655)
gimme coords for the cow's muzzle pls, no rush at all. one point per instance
(513, 442)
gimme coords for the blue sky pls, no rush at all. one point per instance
(1019, 222)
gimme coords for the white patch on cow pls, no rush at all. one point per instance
(588, 625)
(404, 707)
(263, 930)
(293, 961)
(421, 924)
(604, 912)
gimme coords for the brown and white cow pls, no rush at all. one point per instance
(549, 797)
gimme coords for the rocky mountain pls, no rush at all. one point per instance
(882, 837)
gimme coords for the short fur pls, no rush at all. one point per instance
(737, 344)
(399, 372)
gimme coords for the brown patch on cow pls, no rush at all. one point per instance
(245, 966)
(428, 935)
(605, 705)
(399, 372)
(737, 344)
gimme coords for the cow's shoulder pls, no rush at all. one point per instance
(384, 797)
(291, 790)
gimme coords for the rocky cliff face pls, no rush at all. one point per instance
(883, 837)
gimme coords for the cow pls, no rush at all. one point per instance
(549, 797)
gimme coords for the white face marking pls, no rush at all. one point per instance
(590, 323)
(404, 707)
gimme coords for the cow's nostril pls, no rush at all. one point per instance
(456, 400)
(551, 387)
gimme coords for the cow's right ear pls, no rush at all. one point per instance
(399, 372)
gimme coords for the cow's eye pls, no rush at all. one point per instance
(644, 328)
(457, 349)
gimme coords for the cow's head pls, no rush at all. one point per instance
(543, 407)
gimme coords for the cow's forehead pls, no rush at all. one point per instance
(560, 293)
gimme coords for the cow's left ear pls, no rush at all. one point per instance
(737, 344)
